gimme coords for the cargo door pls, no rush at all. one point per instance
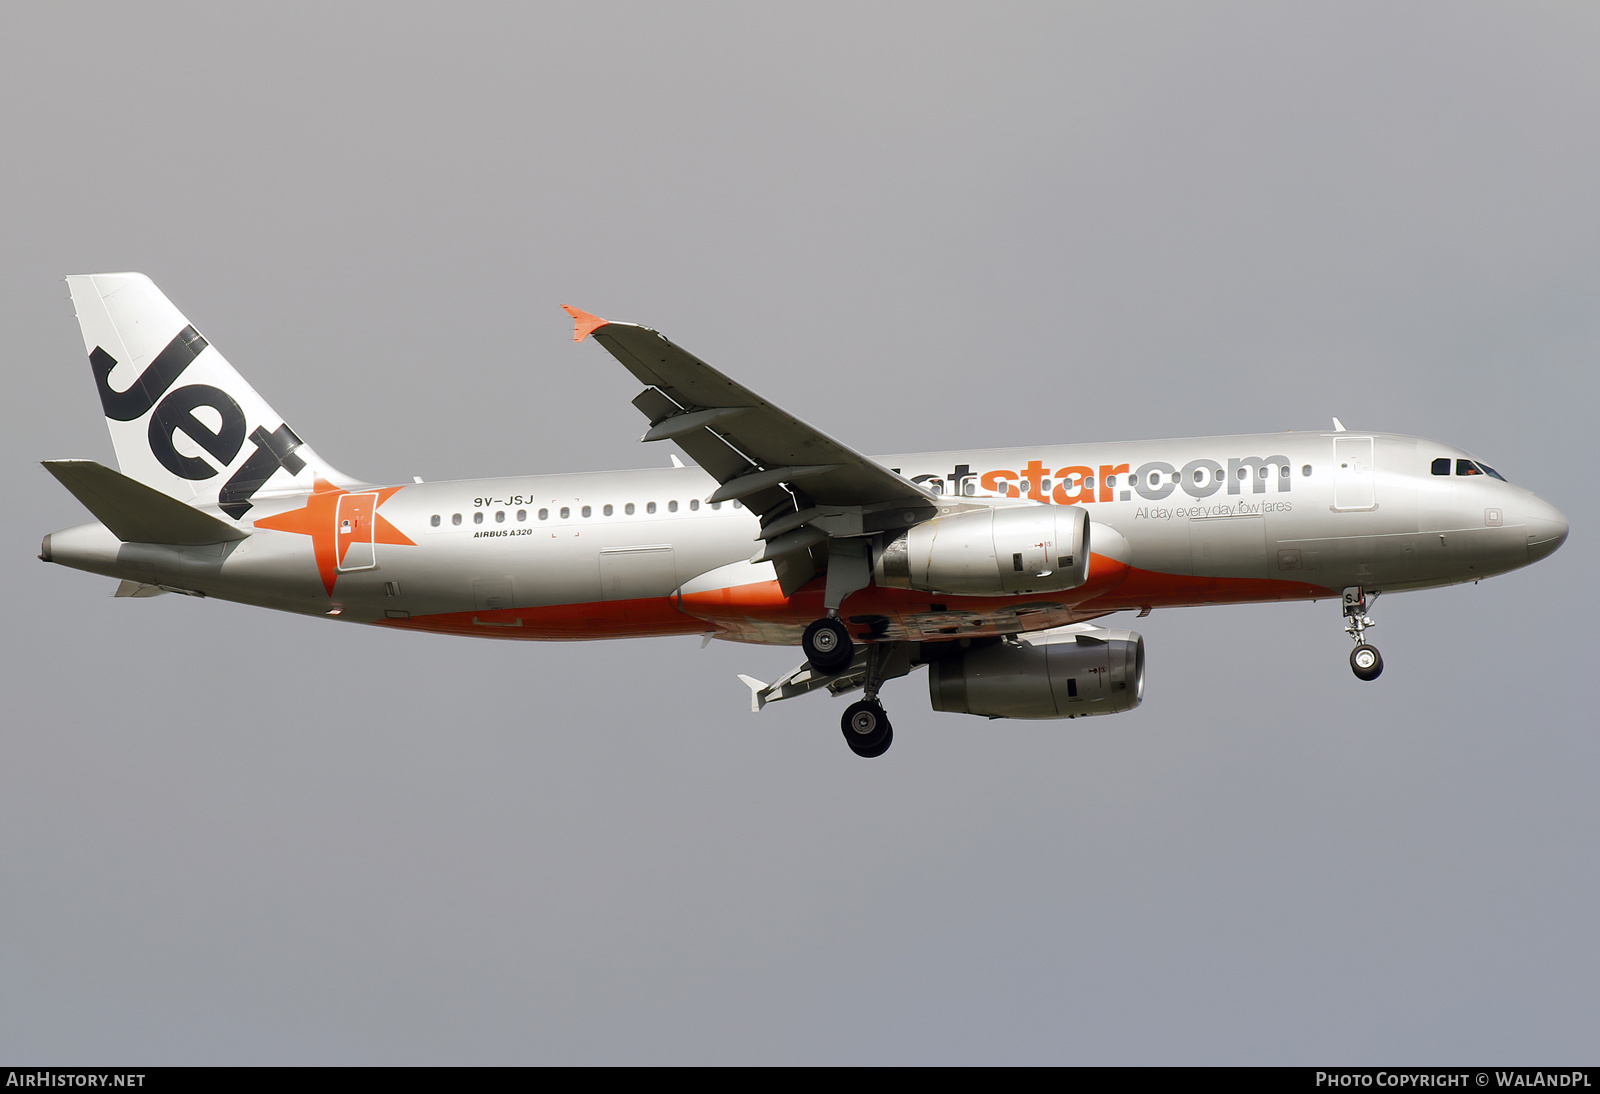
(1228, 546)
(637, 573)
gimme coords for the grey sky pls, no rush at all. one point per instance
(228, 835)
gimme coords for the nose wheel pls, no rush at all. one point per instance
(1365, 660)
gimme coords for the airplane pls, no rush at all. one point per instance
(985, 567)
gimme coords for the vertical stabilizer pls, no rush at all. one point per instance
(182, 420)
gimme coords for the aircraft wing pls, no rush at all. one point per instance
(805, 486)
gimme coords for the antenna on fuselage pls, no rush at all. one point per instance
(1338, 426)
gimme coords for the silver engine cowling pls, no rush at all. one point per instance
(1002, 551)
(1063, 673)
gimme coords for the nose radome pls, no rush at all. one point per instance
(1547, 527)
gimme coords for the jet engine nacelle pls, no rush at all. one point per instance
(991, 552)
(1055, 674)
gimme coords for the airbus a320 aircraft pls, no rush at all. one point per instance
(984, 566)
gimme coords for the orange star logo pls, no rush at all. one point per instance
(337, 520)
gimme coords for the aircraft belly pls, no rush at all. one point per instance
(1412, 559)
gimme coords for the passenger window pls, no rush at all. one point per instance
(544, 514)
(606, 511)
(650, 507)
(628, 509)
(565, 512)
(1467, 467)
(434, 520)
(500, 516)
(1088, 482)
(1441, 466)
(455, 518)
(716, 505)
(477, 518)
(672, 506)
(1199, 476)
(738, 504)
(587, 510)
(1283, 471)
(522, 515)
(694, 503)
(1306, 471)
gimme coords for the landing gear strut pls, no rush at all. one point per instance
(865, 725)
(1365, 660)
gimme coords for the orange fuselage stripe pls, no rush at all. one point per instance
(762, 607)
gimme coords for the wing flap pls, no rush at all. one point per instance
(804, 679)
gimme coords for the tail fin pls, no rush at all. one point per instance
(182, 420)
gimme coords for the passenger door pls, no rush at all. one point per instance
(1354, 478)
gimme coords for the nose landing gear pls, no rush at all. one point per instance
(1365, 660)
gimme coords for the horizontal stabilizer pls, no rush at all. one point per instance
(138, 589)
(136, 513)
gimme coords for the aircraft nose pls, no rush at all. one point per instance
(1547, 527)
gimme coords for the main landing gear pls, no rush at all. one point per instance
(866, 728)
(830, 650)
(1365, 660)
(827, 645)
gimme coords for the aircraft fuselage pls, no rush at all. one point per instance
(1288, 516)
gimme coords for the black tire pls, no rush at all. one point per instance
(1366, 662)
(827, 646)
(866, 729)
(877, 750)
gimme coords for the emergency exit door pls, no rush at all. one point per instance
(355, 527)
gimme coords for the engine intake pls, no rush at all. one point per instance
(1054, 674)
(1002, 551)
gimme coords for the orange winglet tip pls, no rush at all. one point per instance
(584, 324)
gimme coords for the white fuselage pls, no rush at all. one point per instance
(607, 554)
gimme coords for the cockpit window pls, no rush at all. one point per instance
(1464, 468)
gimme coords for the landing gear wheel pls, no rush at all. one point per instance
(827, 645)
(1366, 662)
(866, 729)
